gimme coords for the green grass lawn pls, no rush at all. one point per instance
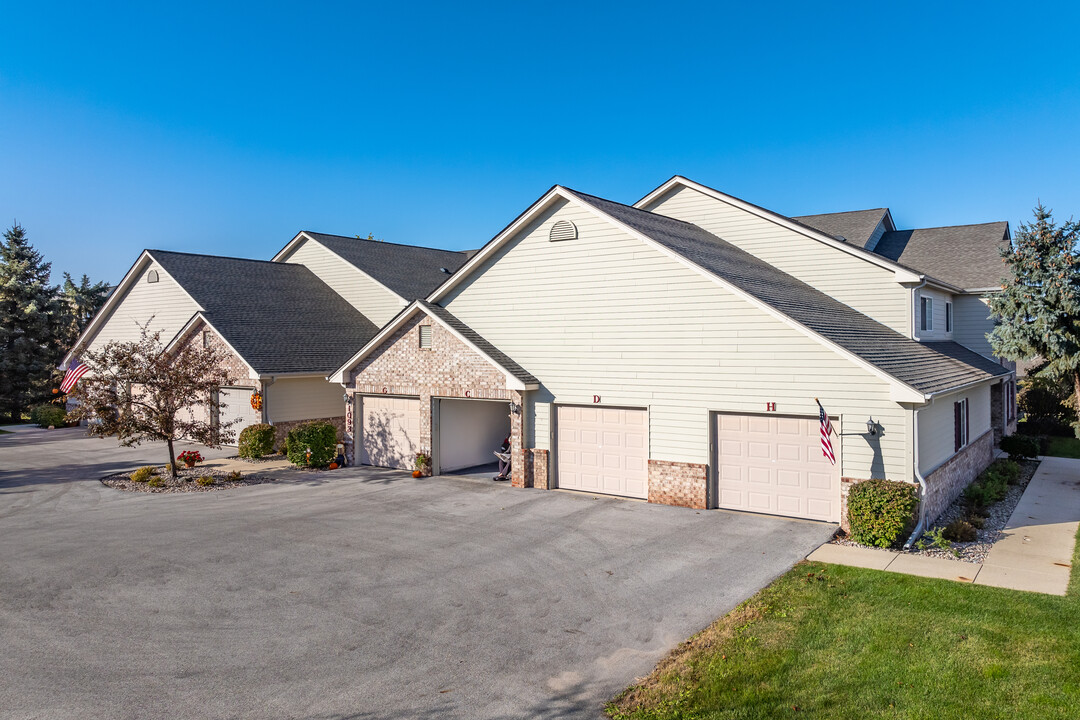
(827, 641)
(1068, 447)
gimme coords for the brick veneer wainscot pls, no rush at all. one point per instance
(947, 482)
(449, 369)
(678, 483)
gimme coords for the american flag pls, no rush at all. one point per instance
(826, 432)
(75, 371)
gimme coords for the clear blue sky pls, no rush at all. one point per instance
(224, 128)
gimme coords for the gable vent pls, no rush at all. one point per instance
(563, 230)
(152, 277)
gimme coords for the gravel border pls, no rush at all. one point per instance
(277, 457)
(185, 483)
(977, 550)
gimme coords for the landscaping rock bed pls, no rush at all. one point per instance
(186, 482)
(276, 457)
(977, 550)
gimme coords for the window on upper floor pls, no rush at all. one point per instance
(948, 317)
(425, 337)
(961, 418)
(927, 307)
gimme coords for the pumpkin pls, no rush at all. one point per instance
(333, 466)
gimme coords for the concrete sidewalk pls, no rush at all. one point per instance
(1034, 554)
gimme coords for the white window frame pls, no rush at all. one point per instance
(948, 317)
(965, 431)
(429, 338)
(926, 307)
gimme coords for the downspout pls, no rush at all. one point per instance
(921, 525)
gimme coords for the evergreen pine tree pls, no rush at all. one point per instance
(1039, 308)
(28, 346)
(80, 302)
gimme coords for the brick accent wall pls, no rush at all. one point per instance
(536, 468)
(237, 368)
(949, 480)
(677, 483)
(450, 369)
(281, 429)
(997, 419)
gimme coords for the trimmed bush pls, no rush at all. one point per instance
(205, 480)
(1010, 469)
(319, 437)
(156, 482)
(48, 414)
(992, 485)
(882, 512)
(960, 531)
(142, 474)
(256, 441)
(1020, 447)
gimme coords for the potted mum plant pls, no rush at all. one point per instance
(422, 464)
(189, 458)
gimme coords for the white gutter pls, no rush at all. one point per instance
(921, 525)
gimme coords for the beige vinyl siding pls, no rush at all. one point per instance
(939, 299)
(608, 315)
(856, 282)
(937, 428)
(304, 399)
(373, 299)
(972, 323)
(164, 301)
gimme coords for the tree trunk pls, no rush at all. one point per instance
(172, 458)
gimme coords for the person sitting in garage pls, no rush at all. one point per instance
(503, 453)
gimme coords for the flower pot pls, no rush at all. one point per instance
(189, 465)
(416, 473)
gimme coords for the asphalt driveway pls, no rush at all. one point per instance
(352, 594)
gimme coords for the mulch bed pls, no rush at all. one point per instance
(185, 482)
(977, 550)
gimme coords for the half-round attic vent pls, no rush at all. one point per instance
(151, 276)
(563, 230)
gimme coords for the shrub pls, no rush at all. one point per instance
(142, 474)
(976, 521)
(318, 437)
(256, 441)
(205, 480)
(1010, 469)
(1020, 447)
(937, 539)
(48, 414)
(156, 482)
(881, 512)
(992, 485)
(960, 531)
(234, 476)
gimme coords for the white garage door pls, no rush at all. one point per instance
(389, 431)
(774, 465)
(603, 450)
(236, 405)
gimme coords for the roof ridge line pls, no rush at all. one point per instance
(220, 257)
(383, 242)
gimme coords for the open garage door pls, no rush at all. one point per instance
(469, 431)
(388, 429)
(772, 464)
(603, 450)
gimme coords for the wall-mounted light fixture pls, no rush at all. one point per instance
(515, 409)
(345, 398)
(872, 427)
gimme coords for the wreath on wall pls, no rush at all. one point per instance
(256, 400)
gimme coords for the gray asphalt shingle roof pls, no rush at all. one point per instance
(279, 316)
(484, 346)
(927, 367)
(963, 255)
(855, 227)
(410, 271)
